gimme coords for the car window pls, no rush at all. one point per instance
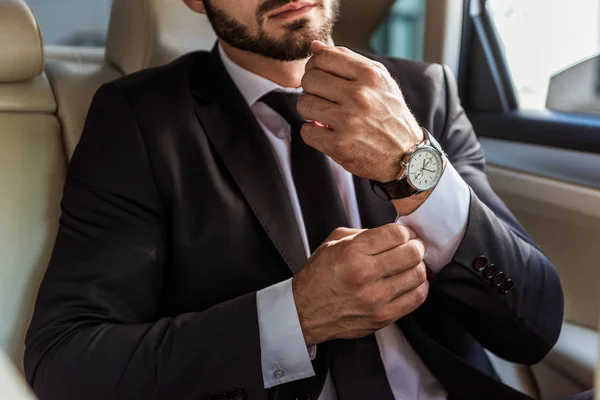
(402, 34)
(542, 38)
(72, 22)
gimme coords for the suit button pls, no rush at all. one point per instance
(499, 279)
(480, 263)
(507, 286)
(236, 395)
(221, 396)
(490, 271)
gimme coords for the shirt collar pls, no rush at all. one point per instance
(251, 86)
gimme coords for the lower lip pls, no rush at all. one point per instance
(294, 13)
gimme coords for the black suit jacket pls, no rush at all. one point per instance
(175, 214)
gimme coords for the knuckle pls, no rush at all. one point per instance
(399, 232)
(420, 272)
(370, 298)
(306, 133)
(414, 251)
(339, 231)
(410, 233)
(379, 65)
(371, 73)
(360, 96)
(304, 103)
(307, 79)
(421, 294)
(383, 316)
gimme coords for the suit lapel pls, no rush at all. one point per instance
(241, 143)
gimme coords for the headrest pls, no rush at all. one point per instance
(147, 33)
(358, 23)
(21, 46)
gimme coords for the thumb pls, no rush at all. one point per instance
(317, 46)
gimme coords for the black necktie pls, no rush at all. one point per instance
(320, 201)
(356, 366)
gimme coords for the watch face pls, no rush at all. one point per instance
(425, 169)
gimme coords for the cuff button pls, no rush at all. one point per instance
(507, 286)
(236, 395)
(278, 374)
(499, 279)
(480, 263)
(490, 271)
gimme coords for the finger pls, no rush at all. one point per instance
(398, 285)
(400, 259)
(384, 238)
(404, 304)
(341, 233)
(314, 108)
(319, 137)
(318, 45)
(325, 85)
(344, 64)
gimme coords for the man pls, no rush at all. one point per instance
(199, 190)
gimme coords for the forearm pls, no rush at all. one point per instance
(189, 356)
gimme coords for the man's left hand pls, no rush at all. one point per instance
(368, 126)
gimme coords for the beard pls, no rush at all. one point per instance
(294, 45)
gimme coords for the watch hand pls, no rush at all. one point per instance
(424, 169)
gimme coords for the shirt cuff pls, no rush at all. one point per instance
(441, 221)
(285, 357)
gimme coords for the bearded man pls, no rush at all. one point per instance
(282, 218)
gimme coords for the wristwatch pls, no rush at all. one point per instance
(422, 169)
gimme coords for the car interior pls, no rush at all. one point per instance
(545, 164)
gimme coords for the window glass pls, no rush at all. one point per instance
(542, 38)
(403, 32)
(72, 22)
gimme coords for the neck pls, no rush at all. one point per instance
(287, 74)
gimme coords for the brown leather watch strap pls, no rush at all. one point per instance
(398, 189)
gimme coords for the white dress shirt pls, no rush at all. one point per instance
(441, 222)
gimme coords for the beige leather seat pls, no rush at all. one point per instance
(32, 169)
(141, 34)
(12, 382)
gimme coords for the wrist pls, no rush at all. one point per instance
(307, 324)
(393, 171)
(411, 204)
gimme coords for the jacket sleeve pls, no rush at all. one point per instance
(523, 324)
(98, 331)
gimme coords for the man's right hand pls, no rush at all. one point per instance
(359, 281)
